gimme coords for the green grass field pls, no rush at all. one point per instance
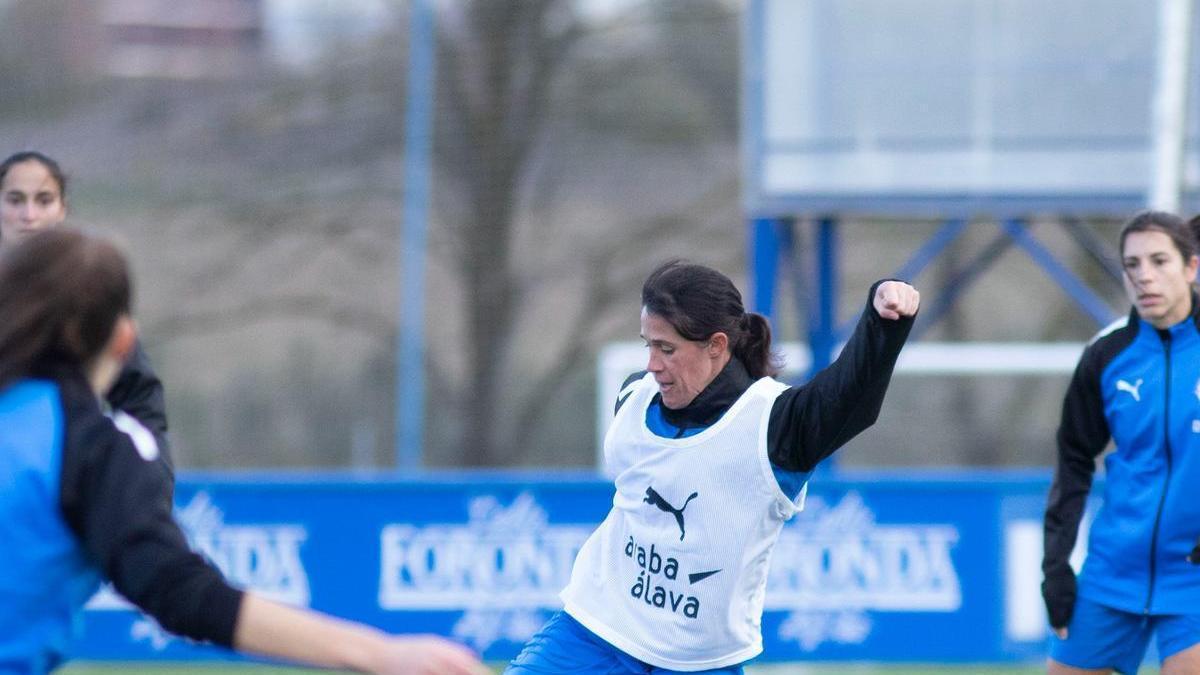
(764, 669)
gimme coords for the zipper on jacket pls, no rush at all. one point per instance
(1162, 500)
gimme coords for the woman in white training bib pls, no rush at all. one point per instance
(710, 456)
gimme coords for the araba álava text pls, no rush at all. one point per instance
(648, 591)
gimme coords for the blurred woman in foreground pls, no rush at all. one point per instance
(80, 500)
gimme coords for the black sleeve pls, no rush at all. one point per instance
(808, 423)
(115, 502)
(139, 393)
(1082, 436)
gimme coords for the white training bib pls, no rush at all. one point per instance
(676, 573)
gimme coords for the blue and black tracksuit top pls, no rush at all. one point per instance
(79, 502)
(1139, 386)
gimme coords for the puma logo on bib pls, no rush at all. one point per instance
(656, 499)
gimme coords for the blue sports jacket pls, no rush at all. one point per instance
(1139, 386)
(81, 500)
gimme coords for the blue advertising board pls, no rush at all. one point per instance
(879, 568)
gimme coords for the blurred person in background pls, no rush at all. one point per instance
(33, 197)
(710, 456)
(81, 497)
(34, 194)
(1137, 383)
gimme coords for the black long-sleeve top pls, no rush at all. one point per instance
(115, 497)
(139, 393)
(809, 422)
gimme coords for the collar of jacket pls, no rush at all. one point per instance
(710, 404)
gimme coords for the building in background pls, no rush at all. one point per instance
(193, 40)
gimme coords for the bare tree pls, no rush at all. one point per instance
(502, 64)
(573, 151)
(500, 59)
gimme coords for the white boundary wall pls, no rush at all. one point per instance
(619, 359)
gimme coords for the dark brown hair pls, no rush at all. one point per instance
(34, 156)
(1180, 232)
(61, 293)
(699, 301)
(1194, 226)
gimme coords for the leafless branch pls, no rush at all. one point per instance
(289, 307)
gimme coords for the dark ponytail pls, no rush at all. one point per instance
(754, 347)
(61, 293)
(699, 301)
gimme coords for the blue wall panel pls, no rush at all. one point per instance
(885, 568)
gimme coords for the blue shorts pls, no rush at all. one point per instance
(1102, 637)
(563, 645)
